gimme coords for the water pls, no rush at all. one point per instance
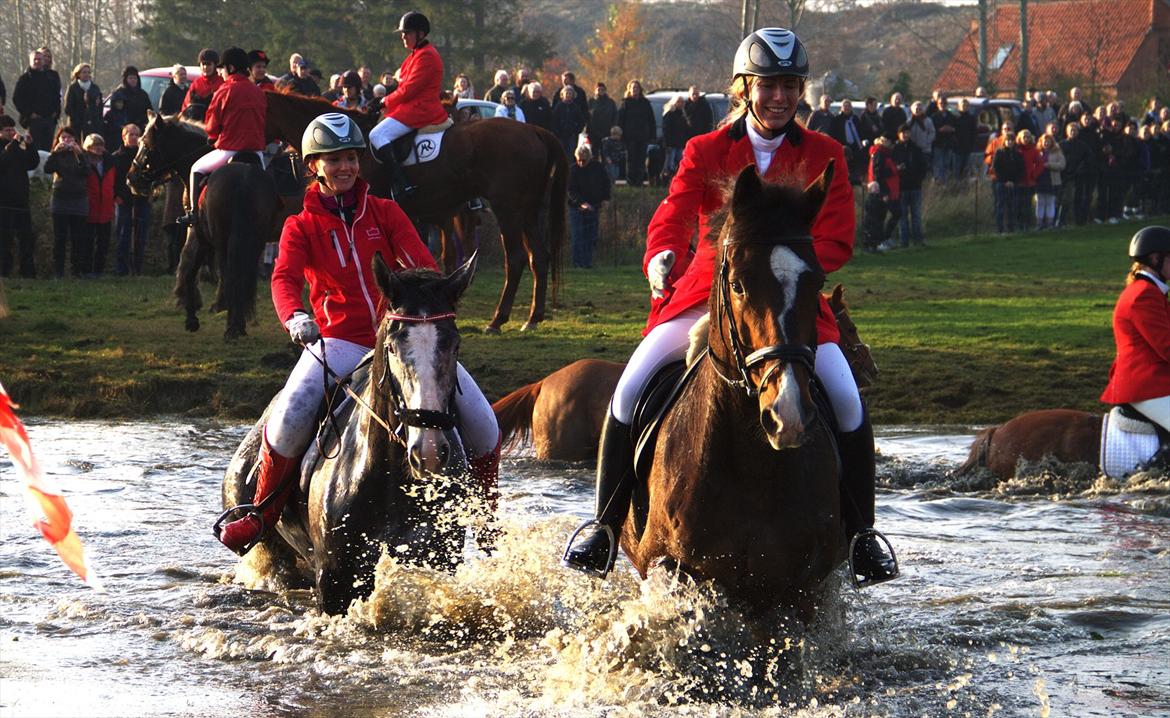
(1041, 597)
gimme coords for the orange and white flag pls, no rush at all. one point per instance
(52, 516)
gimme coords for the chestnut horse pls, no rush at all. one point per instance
(744, 489)
(1063, 434)
(563, 412)
(520, 169)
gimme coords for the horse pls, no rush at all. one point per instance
(1066, 435)
(744, 488)
(520, 169)
(563, 412)
(389, 469)
(238, 216)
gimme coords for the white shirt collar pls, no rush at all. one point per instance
(1162, 286)
(763, 147)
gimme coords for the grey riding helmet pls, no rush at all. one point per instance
(329, 133)
(1149, 240)
(769, 52)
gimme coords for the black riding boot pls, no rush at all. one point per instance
(870, 561)
(615, 483)
(399, 187)
(188, 219)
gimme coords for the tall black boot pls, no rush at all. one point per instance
(188, 219)
(399, 187)
(615, 483)
(869, 559)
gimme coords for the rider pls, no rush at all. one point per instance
(234, 123)
(1140, 375)
(201, 91)
(770, 72)
(351, 93)
(338, 204)
(258, 70)
(415, 102)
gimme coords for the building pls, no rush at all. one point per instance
(1106, 47)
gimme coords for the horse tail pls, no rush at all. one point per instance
(556, 208)
(514, 415)
(980, 448)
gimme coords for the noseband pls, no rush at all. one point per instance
(781, 354)
(418, 418)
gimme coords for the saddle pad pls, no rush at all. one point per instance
(426, 148)
(1122, 449)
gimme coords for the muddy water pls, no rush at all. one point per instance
(1045, 596)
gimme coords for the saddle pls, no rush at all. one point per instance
(332, 416)
(421, 145)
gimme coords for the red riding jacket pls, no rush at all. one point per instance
(336, 260)
(235, 117)
(202, 89)
(415, 103)
(884, 171)
(100, 189)
(696, 193)
(1141, 330)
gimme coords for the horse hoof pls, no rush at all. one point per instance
(192, 325)
(491, 329)
(529, 326)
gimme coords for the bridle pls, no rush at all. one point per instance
(166, 171)
(781, 354)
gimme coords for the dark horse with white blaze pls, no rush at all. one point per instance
(744, 487)
(238, 216)
(390, 473)
(520, 169)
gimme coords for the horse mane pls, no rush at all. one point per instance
(322, 105)
(783, 192)
(185, 123)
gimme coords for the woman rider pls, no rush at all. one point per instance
(258, 70)
(234, 123)
(770, 71)
(415, 102)
(1140, 375)
(338, 205)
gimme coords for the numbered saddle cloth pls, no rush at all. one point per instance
(427, 143)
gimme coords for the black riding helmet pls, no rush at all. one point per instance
(769, 52)
(235, 59)
(352, 79)
(1149, 240)
(415, 21)
(257, 56)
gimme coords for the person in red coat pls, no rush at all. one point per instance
(330, 246)
(100, 191)
(415, 102)
(234, 123)
(1033, 167)
(201, 91)
(770, 71)
(1140, 375)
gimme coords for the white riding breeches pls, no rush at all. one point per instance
(292, 424)
(1156, 410)
(387, 131)
(215, 159)
(668, 342)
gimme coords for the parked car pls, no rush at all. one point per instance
(478, 108)
(991, 113)
(720, 104)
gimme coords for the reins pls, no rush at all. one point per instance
(158, 175)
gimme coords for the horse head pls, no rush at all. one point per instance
(168, 147)
(857, 353)
(766, 299)
(415, 358)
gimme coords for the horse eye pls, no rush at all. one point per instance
(737, 286)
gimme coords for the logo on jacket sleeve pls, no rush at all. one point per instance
(373, 233)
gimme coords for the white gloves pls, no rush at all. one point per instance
(658, 273)
(303, 329)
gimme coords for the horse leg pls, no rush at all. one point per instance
(537, 246)
(450, 249)
(187, 278)
(512, 240)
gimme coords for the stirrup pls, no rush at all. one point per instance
(240, 512)
(609, 561)
(185, 220)
(862, 583)
(475, 204)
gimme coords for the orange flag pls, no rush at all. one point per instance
(53, 516)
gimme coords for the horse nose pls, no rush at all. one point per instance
(785, 417)
(429, 452)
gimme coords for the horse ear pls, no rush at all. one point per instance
(815, 193)
(747, 186)
(387, 282)
(838, 298)
(458, 281)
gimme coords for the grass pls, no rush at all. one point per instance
(971, 329)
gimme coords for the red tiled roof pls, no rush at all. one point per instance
(1064, 39)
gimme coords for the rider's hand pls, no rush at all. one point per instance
(303, 329)
(658, 273)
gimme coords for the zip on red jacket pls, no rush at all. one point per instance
(415, 103)
(337, 260)
(100, 190)
(1141, 330)
(201, 91)
(235, 117)
(696, 193)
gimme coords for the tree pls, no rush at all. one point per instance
(618, 51)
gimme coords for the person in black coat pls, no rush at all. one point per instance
(37, 97)
(17, 157)
(870, 122)
(134, 104)
(175, 92)
(602, 117)
(1079, 171)
(822, 117)
(675, 134)
(912, 169)
(893, 117)
(568, 120)
(83, 102)
(131, 212)
(1008, 166)
(700, 117)
(580, 99)
(846, 129)
(966, 134)
(588, 190)
(536, 109)
(636, 118)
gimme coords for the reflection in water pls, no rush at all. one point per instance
(1011, 603)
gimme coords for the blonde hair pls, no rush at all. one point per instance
(674, 103)
(630, 87)
(1025, 137)
(739, 94)
(531, 88)
(583, 153)
(92, 140)
(78, 68)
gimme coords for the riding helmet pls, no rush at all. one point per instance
(329, 133)
(769, 52)
(415, 21)
(1149, 240)
(257, 56)
(236, 58)
(208, 55)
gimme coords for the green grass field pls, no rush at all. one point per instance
(971, 329)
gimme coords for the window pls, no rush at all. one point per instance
(1001, 55)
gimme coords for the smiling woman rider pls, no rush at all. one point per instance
(769, 75)
(330, 245)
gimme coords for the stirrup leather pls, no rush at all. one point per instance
(609, 561)
(863, 582)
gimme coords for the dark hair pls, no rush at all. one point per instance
(64, 130)
(131, 70)
(870, 99)
(7, 121)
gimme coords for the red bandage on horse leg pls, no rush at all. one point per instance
(486, 472)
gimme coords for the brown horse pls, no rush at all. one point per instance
(520, 169)
(1062, 434)
(563, 412)
(744, 488)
